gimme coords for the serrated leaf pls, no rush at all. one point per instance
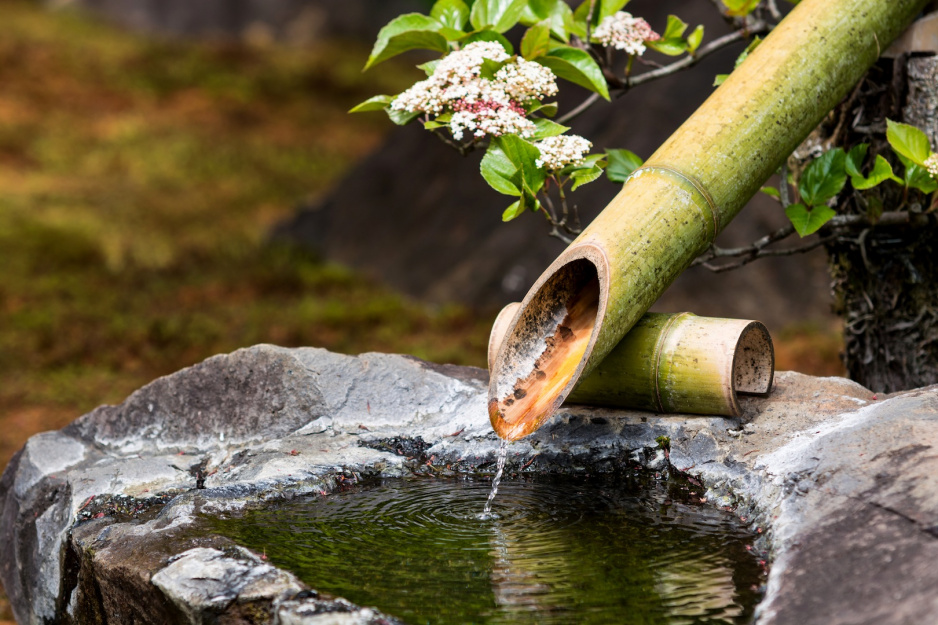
(908, 141)
(488, 35)
(546, 128)
(585, 176)
(823, 178)
(536, 41)
(513, 211)
(522, 156)
(499, 171)
(808, 221)
(489, 68)
(695, 38)
(374, 103)
(772, 192)
(497, 15)
(577, 66)
(407, 32)
(740, 8)
(621, 164)
(401, 118)
(451, 13)
(917, 177)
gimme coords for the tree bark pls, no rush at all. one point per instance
(885, 279)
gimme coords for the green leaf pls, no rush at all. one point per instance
(546, 128)
(557, 13)
(917, 177)
(488, 35)
(675, 28)
(490, 68)
(407, 32)
(882, 171)
(621, 164)
(695, 38)
(823, 178)
(589, 162)
(602, 10)
(855, 157)
(522, 155)
(513, 211)
(585, 176)
(808, 221)
(499, 171)
(374, 103)
(401, 118)
(772, 192)
(577, 66)
(740, 8)
(672, 41)
(669, 47)
(429, 67)
(451, 13)
(908, 141)
(536, 41)
(547, 110)
(719, 79)
(497, 15)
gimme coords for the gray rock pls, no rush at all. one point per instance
(101, 521)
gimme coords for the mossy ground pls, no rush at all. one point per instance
(138, 178)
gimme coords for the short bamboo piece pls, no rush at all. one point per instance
(674, 363)
(671, 209)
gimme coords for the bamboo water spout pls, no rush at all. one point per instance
(674, 363)
(672, 208)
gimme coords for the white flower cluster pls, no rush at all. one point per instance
(479, 105)
(624, 32)
(560, 151)
(931, 164)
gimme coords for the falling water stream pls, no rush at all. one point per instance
(551, 549)
(502, 457)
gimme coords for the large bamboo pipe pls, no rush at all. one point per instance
(671, 209)
(674, 363)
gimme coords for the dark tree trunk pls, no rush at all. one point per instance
(885, 277)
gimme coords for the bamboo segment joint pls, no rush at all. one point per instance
(689, 183)
(659, 349)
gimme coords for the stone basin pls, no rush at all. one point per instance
(96, 519)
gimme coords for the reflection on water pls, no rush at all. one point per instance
(552, 551)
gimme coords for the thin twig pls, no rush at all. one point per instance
(583, 106)
(757, 249)
(691, 60)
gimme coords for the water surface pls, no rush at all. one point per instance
(553, 550)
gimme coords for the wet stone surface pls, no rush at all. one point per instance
(98, 520)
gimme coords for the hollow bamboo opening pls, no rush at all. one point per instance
(545, 349)
(754, 361)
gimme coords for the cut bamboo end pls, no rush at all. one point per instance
(549, 338)
(672, 363)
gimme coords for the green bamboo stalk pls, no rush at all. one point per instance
(674, 363)
(671, 209)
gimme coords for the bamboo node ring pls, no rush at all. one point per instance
(689, 180)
